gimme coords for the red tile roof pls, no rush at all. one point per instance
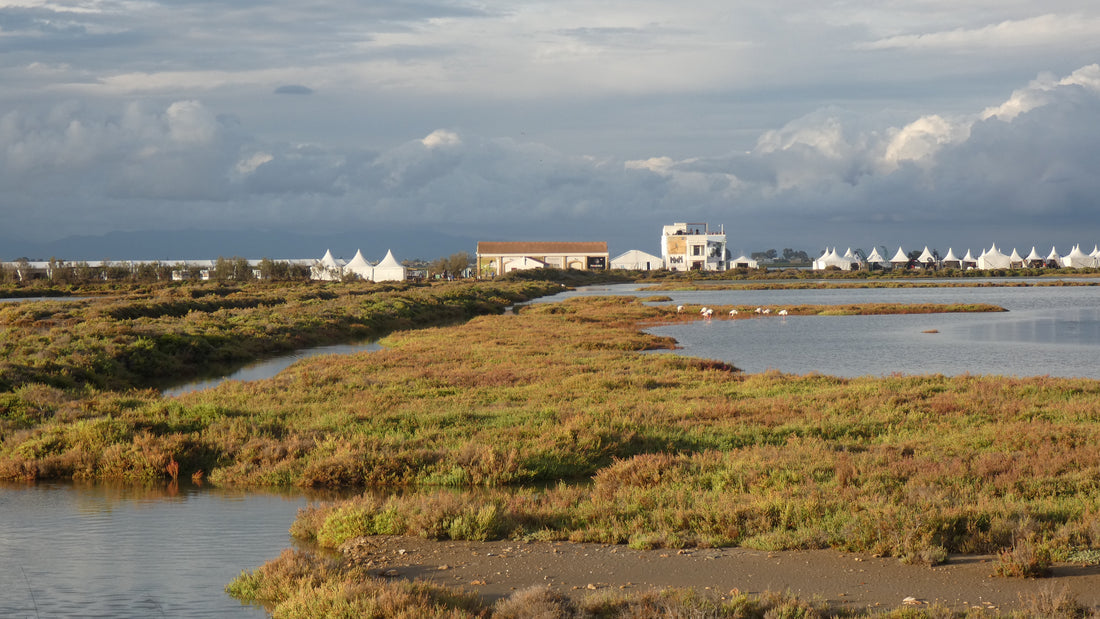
(541, 248)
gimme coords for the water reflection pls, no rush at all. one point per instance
(72, 550)
(267, 368)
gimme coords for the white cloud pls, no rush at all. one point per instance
(920, 140)
(441, 138)
(249, 164)
(190, 122)
(1038, 92)
(1040, 30)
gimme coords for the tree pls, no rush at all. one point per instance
(267, 269)
(223, 270)
(450, 267)
(457, 263)
(242, 271)
(23, 269)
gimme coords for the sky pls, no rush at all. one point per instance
(424, 126)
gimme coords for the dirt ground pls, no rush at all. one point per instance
(496, 569)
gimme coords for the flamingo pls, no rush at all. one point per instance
(782, 312)
(708, 313)
(759, 310)
(704, 310)
(767, 310)
(733, 312)
(679, 309)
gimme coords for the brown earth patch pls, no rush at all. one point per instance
(495, 570)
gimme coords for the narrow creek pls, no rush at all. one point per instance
(266, 368)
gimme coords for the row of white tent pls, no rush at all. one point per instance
(991, 258)
(329, 268)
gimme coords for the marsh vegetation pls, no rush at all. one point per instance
(544, 425)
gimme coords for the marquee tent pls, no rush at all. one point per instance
(360, 267)
(876, 260)
(993, 259)
(389, 270)
(1078, 259)
(951, 261)
(900, 259)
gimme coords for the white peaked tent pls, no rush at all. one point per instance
(637, 260)
(951, 261)
(876, 260)
(744, 262)
(993, 259)
(1078, 259)
(1015, 261)
(1096, 252)
(1033, 259)
(832, 259)
(360, 267)
(327, 268)
(389, 270)
(1054, 260)
(854, 261)
(969, 261)
(926, 259)
(900, 260)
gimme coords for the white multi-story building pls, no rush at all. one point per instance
(693, 247)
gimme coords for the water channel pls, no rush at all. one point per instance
(102, 551)
(98, 550)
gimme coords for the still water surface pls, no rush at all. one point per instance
(116, 551)
(270, 367)
(1048, 330)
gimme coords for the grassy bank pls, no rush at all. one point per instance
(144, 335)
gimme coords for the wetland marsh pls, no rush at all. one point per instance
(679, 452)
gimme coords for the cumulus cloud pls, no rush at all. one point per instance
(830, 177)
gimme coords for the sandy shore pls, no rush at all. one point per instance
(496, 569)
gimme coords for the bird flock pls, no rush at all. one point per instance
(708, 312)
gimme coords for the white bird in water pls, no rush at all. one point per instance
(782, 312)
(707, 314)
(733, 312)
(679, 309)
(767, 310)
(759, 310)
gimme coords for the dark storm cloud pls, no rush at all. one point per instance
(293, 89)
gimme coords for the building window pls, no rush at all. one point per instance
(696, 250)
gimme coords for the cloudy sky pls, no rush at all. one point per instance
(794, 123)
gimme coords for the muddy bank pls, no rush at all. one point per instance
(494, 570)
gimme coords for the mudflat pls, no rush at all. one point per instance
(495, 570)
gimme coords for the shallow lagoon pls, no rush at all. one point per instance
(1048, 330)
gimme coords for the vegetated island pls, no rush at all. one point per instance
(548, 426)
